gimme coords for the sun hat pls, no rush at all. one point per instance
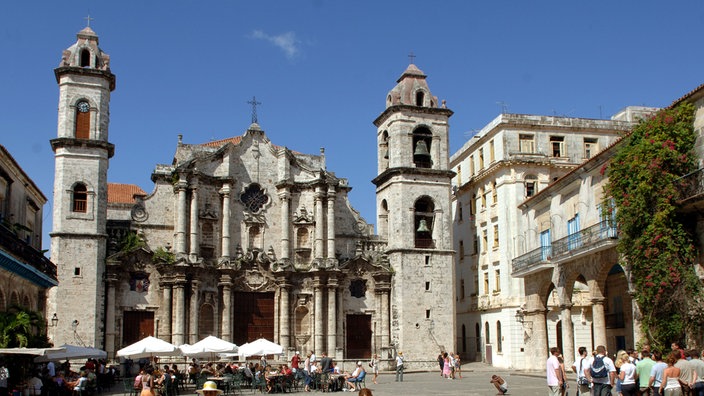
(359, 363)
(210, 386)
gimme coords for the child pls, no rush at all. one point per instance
(500, 384)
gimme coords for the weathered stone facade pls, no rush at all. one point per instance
(243, 239)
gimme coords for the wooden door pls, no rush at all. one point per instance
(136, 325)
(359, 337)
(253, 317)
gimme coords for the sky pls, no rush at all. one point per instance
(322, 68)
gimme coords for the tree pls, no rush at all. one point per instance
(20, 327)
(657, 250)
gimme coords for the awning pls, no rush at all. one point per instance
(26, 271)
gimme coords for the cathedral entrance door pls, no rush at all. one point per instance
(359, 336)
(136, 325)
(253, 317)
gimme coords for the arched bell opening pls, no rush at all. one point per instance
(424, 213)
(422, 140)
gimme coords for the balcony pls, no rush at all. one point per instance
(587, 241)
(691, 193)
(25, 253)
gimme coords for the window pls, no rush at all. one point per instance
(498, 337)
(545, 245)
(461, 289)
(254, 198)
(423, 223)
(427, 286)
(497, 281)
(459, 175)
(483, 198)
(358, 288)
(573, 237)
(419, 98)
(461, 250)
(590, 147)
(82, 120)
(422, 140)
(476, 283)
(487, 334)
(492, 155)
(496, 236)
(473, 205)
(77, 271)
(476, 244)
(486, 283)
(481, 158)
(427, 314)
(485, 240)
(494, 194)
(4, 197)
(85, 58)
(459, 211)
(478, 337)
(526, 144)
(80, 198)
(557, 145)
(471, 165)
(531, 185)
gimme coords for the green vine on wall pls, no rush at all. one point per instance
(644, 181)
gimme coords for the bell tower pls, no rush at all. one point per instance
(81, 156)
(413, 187)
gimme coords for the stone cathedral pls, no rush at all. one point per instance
(244, 239)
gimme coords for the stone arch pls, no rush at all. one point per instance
(27, 302)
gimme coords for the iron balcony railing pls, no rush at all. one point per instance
(583, 239)
(11, 242)
(691, 185)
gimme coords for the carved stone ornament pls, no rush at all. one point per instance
(139, 211)
(302, 217)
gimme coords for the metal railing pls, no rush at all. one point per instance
(583, 239)
(26, 253)
(692, 185)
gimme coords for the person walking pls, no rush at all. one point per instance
(399, 367)
(374, 364)
(601, 373)
(656, 372)
(580, 363)
(554, 372)
(643, 369)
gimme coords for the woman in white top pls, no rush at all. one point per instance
(628, 378)
(671, 377)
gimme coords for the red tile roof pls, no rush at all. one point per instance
(218, 143)
(123, 193)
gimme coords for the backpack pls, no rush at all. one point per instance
(598, 369)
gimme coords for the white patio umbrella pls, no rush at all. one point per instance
(148, 347)
(29, 351)
(208, 347)
(260, 347)
(71, 352)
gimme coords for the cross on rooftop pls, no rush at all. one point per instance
(412, 57)
(254, 104)
(88, 19)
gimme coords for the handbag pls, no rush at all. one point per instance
(583, 381)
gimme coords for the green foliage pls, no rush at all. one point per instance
(162, 255)
(644, 181)
(131, 241)
(20, 327)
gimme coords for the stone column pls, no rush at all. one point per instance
(599, 321)
(285, 332)
(285, 198)
(110, 281)
(226, 284)
(567, 334)
(167, 312)
(538, 339)
(385, 318)
(332, 317)
(181, 219)
(195, 311)
(194, 248)
(225, 247)
(319, 224)
(331, 224)
(318, 315)
(179, 311)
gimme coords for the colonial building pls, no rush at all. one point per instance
(25, 274)
(501, 171)
(242, 239)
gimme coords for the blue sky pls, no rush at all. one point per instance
(322, 68)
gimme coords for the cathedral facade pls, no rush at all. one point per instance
(244, 239)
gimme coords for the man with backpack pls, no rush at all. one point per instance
(601, 373)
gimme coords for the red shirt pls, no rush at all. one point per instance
(294, 361)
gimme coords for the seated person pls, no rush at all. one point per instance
(357, 376)
(500, 384)
(34, 385)
(164, 381)
(79, 384)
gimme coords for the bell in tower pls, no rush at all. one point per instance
(421, 155)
